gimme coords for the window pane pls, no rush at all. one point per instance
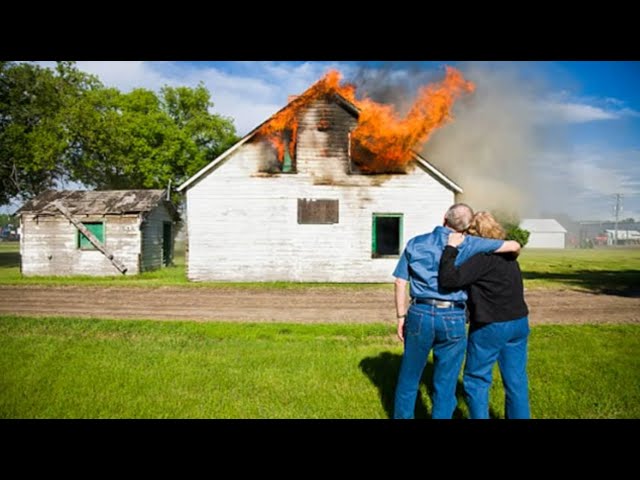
(386, 234)
(97, 229)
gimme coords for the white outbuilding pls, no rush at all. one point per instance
(544, 232)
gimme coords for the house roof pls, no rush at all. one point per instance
(349, 107)
(542, 225)
(106, 202)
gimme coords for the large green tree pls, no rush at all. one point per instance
(137, 140)
(64, 124)
(33, 132)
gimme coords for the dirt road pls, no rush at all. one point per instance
(307, 305)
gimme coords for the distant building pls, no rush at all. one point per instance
(625, 237)
(544, 232)
(96, 232)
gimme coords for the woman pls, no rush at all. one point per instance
(499, 327)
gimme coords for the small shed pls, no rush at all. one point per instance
(97, 232)
(545, 232)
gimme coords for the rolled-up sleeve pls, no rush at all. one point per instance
(402, 268)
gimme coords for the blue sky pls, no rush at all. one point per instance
(584, 117)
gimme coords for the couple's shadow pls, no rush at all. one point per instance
(383, 370)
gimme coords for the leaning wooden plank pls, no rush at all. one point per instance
(90, 236)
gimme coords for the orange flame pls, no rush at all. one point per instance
(382, 141)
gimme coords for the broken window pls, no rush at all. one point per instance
(364, 162)
(289, 159)
(386, 235)
(97, 229)
(317, 211)
(284, 149)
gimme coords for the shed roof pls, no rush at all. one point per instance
(105, 202)
(542, 225)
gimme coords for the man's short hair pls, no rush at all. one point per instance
(459, 216)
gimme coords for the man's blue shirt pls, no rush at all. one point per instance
(420, 260)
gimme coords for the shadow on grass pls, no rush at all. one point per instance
(383, 370)
(9, 259)
(623, 283)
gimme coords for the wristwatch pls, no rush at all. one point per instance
(401, 316)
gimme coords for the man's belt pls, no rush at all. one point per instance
(439, 303)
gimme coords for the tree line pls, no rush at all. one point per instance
(61, 124)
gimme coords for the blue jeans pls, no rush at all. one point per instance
(442, 329)
(505, 342)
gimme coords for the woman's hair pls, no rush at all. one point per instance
(484, 225)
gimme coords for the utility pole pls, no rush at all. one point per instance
(617, 210)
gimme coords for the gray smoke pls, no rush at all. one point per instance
(489, 147)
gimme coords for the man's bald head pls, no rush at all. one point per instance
(458, 216)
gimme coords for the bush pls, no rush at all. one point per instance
(514, 232)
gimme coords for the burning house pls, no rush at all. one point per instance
(327, 189)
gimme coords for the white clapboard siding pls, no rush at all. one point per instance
(242, 225)
(49, 245)
(546, 240)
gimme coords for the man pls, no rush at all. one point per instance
(436, 318)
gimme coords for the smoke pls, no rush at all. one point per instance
(490, 145)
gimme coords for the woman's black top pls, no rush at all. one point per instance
(494, 281)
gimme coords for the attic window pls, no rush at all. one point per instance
(288, 162)
(317, 211)
(283, 159)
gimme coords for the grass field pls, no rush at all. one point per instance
(598, 270)
(81, 368)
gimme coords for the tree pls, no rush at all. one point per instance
(510, 221)
(63, 124)
(211, 134)
(33, 134)
(137, 140)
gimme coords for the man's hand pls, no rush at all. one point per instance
(509, 246)
(401, 328)
(455, 239)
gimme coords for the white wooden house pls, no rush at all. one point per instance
(312, 217)
(544, 232)
(96, 232)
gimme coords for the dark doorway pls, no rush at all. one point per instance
(167, 244)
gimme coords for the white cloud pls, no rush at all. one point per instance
(584, 182)
(553, 112)
(249, 97)
(560, 108)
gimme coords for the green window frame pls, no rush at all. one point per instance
(97, 229)
(386, 235)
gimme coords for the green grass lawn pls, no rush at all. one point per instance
(81, 368)
(600, 270)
